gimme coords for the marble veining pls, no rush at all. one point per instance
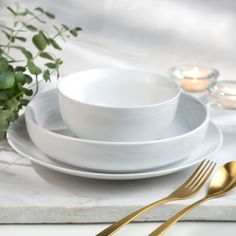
(33, 194)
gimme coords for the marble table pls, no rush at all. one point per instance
(33, 194)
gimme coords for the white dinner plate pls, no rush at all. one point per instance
(19, 140)
(50, 135)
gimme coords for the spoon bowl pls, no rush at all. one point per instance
(223, 180)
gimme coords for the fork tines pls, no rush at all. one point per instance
(201, 174)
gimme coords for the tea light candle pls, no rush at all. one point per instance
(194, 78)
(228, 102)
(224, 93)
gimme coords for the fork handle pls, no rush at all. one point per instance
(165, 226)
(117, 225)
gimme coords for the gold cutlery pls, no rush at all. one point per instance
(222, 182)
(190, 187)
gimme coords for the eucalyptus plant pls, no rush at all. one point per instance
(19, 75)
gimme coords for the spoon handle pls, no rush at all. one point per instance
(117, 225)
(165, 226)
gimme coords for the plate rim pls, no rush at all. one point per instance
(113, 176)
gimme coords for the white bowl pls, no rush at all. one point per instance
(117, 104)
(48, 132)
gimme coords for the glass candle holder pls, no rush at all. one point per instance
(223, 118)
(223, 93)
(194, 78)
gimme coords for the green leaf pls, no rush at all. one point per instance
(78, 28)
(11, 10)
(74, 32)
(20, 68)
(39, 41)
(2, 134)
(12, 92)
(23, 39)
(7, 79)
(46, 75)
(58, 61)
(28, 92)
(3, 96)
(35, 70)
(23, 13)
(3, 64)
(38, 19)
(46, 55)
(65, 27)
(54, 44)
(31, 27)
(10, 68)
(7, 115)
(20, 77)
(28, 78)
(50, 65)
(13, 104)
(27, 54)
(49, 15)
(44, 35)
(40, 9)
(24, 102)
(20, 85)
(3, 128)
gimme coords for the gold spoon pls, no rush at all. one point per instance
(222, 182)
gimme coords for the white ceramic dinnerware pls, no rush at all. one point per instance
(20, 141)
(117, 104)
(49, 134)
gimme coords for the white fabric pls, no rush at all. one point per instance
(150, 34)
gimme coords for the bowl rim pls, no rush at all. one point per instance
(173, 98)
(113, 143)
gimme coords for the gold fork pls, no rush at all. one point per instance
(223, 181)
(190, 187)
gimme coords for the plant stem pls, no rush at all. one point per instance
(19, 30)
(36, 55)
(7, 55)
(12, 30)
(37, 85)
(21, 93)
(59, 33)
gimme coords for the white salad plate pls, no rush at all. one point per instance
(50, 135)
(20, 141)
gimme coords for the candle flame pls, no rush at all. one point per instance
(195, 72)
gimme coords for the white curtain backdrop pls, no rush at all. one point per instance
(147, 34)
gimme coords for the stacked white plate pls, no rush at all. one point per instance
(48, 142)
